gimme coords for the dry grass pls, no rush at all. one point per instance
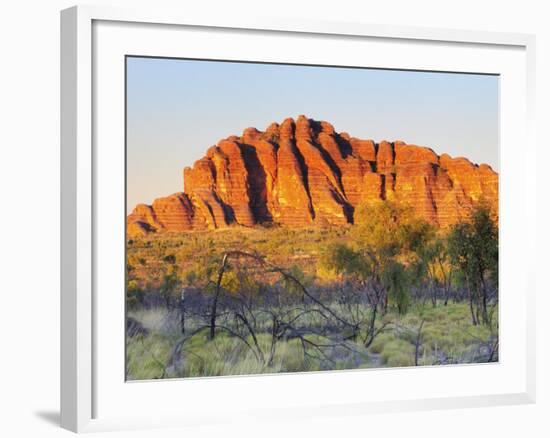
(447, 337)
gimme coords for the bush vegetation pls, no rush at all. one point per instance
(388, 291)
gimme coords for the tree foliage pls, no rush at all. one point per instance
(387, 238)
(473, 249)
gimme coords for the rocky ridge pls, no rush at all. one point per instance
(302, 172)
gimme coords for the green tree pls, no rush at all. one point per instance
(382, 258)
(397, 279)
(169, 284)
(345, 261)
(435, 266)
(388, 236)
(473, 248)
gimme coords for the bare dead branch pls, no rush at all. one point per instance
(417, 343)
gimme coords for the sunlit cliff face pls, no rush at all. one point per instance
(302, 172)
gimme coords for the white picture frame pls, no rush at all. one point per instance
(89, 399)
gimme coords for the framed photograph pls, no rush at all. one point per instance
(277, 217)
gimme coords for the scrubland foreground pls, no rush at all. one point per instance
(391, 290)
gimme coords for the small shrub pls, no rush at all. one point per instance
(394, 351)
(380, 341)
(400, 359)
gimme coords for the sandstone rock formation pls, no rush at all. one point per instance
(302, 172)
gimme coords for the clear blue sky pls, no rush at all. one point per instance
(176, 109)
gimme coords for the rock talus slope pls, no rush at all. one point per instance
(302, 172)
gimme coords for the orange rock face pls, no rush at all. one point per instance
(302, 172)
(172, 213)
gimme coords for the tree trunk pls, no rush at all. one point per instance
(182, 313)
(471, 300)
(417, 344)
(370, 336)
(216, 296)
(484, 312)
